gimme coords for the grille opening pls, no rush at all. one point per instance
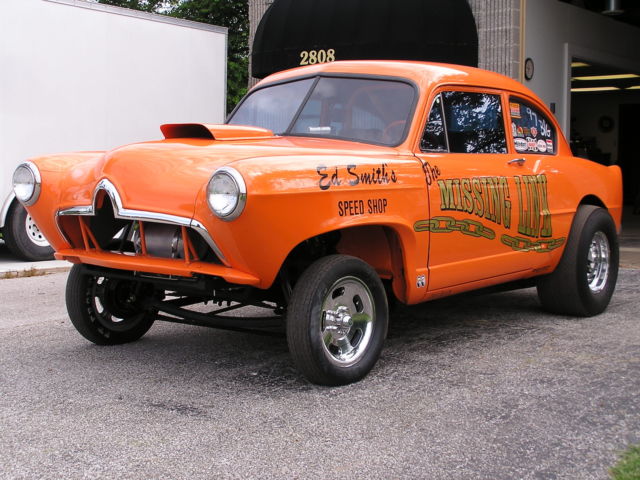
(105, 232)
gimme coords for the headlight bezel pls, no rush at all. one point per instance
(241, 195)
(37, 183)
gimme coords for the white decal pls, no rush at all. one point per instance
(520, 144)
(545, 131)
(542, 146)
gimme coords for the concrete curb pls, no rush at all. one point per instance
(31, 269)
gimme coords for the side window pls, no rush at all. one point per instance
(531, 129)
(474, 122)
(434, 138)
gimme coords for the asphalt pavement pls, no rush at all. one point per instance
(471, 387)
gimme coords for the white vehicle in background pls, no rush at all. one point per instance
(79, 75)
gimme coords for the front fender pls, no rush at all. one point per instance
(291, 200)
(66, 180)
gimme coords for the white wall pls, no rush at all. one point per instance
(84, 76)
(554, 32)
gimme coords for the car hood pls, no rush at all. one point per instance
(166, 176)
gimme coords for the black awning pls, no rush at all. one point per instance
(427, 30)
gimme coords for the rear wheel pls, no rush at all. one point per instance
(24, 238)
(584, 281)
(108, 311)
(337, 320)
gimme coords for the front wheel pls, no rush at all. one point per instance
(108, 311)
(584, 281)
(337, 320)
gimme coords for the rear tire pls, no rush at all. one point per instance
(108, 311)
(23, 237)
(584, 281)
(337, 320)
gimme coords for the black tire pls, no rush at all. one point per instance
(107, 311)
(331, 293)
(23, 238)
(573, 288)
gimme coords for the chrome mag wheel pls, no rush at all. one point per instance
(348, 315)
(337, 320)
(598, 262)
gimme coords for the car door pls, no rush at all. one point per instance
(474, 182)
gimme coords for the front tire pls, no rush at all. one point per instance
(23, 237)
(108, 311)
(337, 320)
(584, 281)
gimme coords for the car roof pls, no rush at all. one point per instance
(424, 74)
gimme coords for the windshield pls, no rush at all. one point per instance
(365, 110)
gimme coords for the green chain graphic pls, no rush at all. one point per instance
(450, 224)
(522, 244)
(476, 229)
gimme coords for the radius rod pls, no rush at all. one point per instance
(260, 325)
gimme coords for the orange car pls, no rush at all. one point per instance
(329, 189)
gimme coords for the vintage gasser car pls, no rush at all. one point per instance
(330, 189)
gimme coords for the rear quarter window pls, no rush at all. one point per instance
(531, 129)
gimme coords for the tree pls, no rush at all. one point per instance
(153, 6)
(233, 14)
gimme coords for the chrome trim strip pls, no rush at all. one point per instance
(88, 211)
(141, 215)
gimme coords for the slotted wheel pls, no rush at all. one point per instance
(337, 320)
(598, 262)
(348, 314)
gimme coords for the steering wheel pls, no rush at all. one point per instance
(393, 125)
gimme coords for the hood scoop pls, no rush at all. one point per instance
(213, 132)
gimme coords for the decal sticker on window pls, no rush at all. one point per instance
(520, 144)
(514, 108)
(542, 146)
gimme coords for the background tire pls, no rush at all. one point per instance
(106, 311)
(23, 238)
(337, 320)
(584, 281)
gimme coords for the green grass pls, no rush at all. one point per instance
(31, 272)
(628, 467)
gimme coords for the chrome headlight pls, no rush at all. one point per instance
(226, 193)
(26, 183)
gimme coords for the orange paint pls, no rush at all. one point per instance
(381, 198)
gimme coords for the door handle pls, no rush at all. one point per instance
(519, 161)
